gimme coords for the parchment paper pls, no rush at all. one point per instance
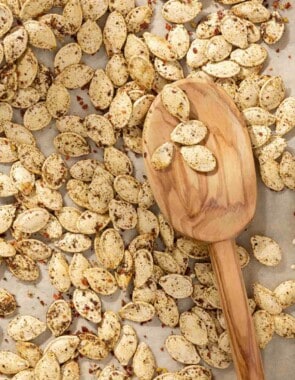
(275, 217)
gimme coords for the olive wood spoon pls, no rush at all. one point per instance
(212, 207)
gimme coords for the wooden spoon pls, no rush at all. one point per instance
(213, 207)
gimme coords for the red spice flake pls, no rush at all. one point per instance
(144, 25)
(288, 5)
(277, 50)
(42, 303)
(289, 56)
(195, 50)
(57, 296)
(79, 98)
(276, 4)
(162, 349)
(84, 329)
(123, 303)
(85, 107)
(168, 26)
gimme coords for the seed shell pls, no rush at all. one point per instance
(58, 317)
(181, 350)
(126, 345)
(137, 311)
(25, 327)
(144, 363)
(87, 304)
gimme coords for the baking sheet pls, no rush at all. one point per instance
(275, 217)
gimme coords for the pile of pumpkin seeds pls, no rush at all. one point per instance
(57, 206)
(187, 134)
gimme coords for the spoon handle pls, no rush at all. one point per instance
(245, 351)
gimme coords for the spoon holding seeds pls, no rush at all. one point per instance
(213, 206)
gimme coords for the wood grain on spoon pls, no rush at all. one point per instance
(219, 204)
(212, 207)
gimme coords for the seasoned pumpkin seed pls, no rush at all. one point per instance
(144, 363)
(126, 345)
(92, 347)
(181, 350)
(162, 157)
(87, 304)
(58, 317)
(137, 311)
(25, 327)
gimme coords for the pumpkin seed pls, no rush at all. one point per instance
(166, 262)
(166, 309)
(114, 33)
(176, 102)
(117, 162)
(193, 328)
(58, 270)
(10, 363)
(109, 329)
(6, 19)
(234, 30)
(57, 100)
(93, 10)
(145, 196)
(209, 322)
(147, 222)
(27, 69)
(71, 144)
(258, 116)
(89, 37)
(124, 272)
(163, 156)
(15, 43)
(87, 304)
(159, 47)
(68, 55)
(287, 170)
(8, 150)
(73, 243)
(25, 97)
(273, 30)
(54, 171)
(138, 17)
(141, 71)
(37, 117)
(5, 112)
(100, 194)
(196, 372)
(272, 93)
(58, 317)
(70, 371)
(72, 15)
(78, 192)
(285, 116)
(135, 46)
(199, 158)
(122, 214)
(7, 186)
(285, 293)
(144, 363)
(179, 39)
(224, 69)
(75, 76)
(243, 255)
(30, 221)
(285, 325)
(120, 110)
(176, 285)
(83, 170)
(179, 13)
(218, 49)
(204, 273)
(23, 268)
(215, 356)
(266, 250)
(6, 249)
(270, 175)
(196, 55)
(266, 299)
(189, 133)
(169, 70)
(49, 198)
(181, 259)
(7, 213)
(25, 327)
(117, 71)
(29, 351)
(100, 280)
(137, 311)
(124, 7)
(64, 347)
(78, 265)
(251, 56)
(181, 350)
(272, 150)
(18, 134)
(90, 222)
(264, 327)
(52, 229)
(259, 135)
(35, 249)
(68, 217)
(126, 345)
(92, 347)
(253, 11)
(7, 303)
(40, 35)
(101, 90)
